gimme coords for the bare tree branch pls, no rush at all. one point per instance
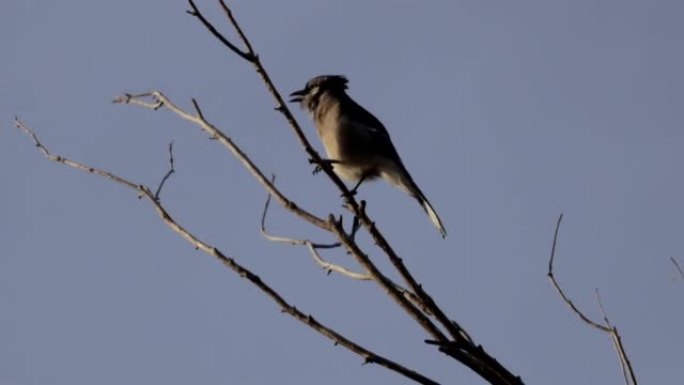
(168, 173)
(158, 100)
(155, 100)
(329, 267)
(679, 268)
(145, 192)
(291, 241)
(566, 299)
(626, 366)
(71, 163)
(311, 246)
(195, 12)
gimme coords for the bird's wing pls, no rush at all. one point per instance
(375, 131)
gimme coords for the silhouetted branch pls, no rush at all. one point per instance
(168, 173)
(145, 192)
(627, 371)
(626, 366)
(311, 246)
(383, 281)
(565, 298)
(679, 269)
(195, 12)
(156, 100)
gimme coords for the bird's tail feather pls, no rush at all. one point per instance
(434, 218)
(398, 176)
(412, 188)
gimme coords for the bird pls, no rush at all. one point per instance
(357, 144)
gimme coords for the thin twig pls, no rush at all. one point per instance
(560, 291)
(71, 163)
(168, 173)
(196, 13)
(597, 295)
(679, 268)
(145, 192)
(244, 39)
(311, 246)
(291, 241)
(155, 100)
(625, 364)
(330, 267)
(383, 281)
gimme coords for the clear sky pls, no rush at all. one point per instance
(506, 113)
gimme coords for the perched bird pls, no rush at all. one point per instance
(358, 146)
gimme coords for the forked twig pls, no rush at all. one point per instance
(311, 246)
(626, 366)
(156, 100)
(330, 267)
(145, 192)
(560, 291)
(168, 173)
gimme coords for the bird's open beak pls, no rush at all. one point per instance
(297, 96)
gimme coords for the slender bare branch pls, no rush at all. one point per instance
(71, 163)
(196, 13)
(155, 100)
(291, 241)
(679, 268)
(597, 295)
(383, 281)
(626, 366)
(311, 246)
(560, 291)
(233, 22)
(168, 173)
(145, 192)
(331, 267)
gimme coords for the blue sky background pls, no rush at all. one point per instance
(506, 113)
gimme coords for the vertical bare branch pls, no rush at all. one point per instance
(679, 268)
(626, 366)
(560, 291)
(168, 173)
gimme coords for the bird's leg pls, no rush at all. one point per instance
(352, 192)
(319, 164)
